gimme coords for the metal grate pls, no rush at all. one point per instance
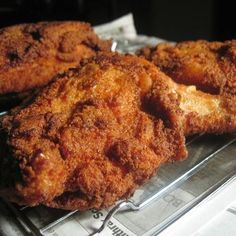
(215, 146)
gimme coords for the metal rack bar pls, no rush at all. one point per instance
(55, 222)
(3, 113)
(25, 222)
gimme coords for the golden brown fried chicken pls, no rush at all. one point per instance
(97, 133)
(205, 113)
(211, 67)
(31, 54)
(91, 137)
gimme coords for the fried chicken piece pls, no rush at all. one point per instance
(211, 67)
(97, 133)
(91, 137)
(31, 54)
(205, 113)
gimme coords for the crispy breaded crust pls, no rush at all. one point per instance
(211, 66)
(98, 132)
(31, 54)
(91, 137)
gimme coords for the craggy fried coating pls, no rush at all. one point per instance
(31, 54)
(211, 66)
(91, 137)
(202, 112)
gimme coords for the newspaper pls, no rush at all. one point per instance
(164, 209)
(122, 27)
(216, 216)
(123, 33)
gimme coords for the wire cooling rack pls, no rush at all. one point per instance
(210, 147)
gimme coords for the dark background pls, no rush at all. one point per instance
(174, 20)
